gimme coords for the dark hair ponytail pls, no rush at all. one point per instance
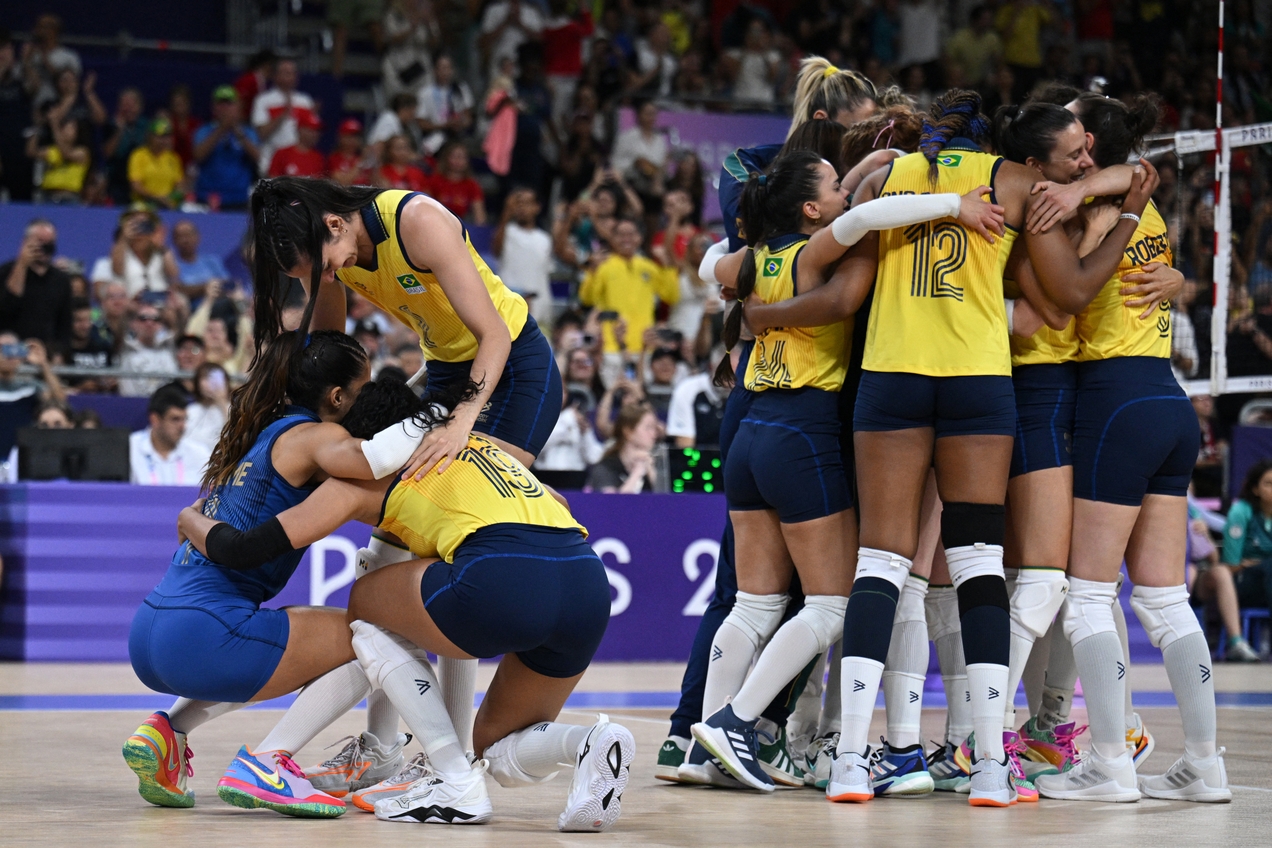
(388, 400)
(1119, 128)
(293, 368)
(955, 113)
(1021, 132)
(771, 205)
(287, 228)
(820, 135)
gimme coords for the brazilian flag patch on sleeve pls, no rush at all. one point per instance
(773, 266)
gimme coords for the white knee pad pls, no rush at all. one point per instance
(379, 553)
(872, 562)
(1036, 600)
(504, 768)
(942, 618)
(824, 615)
(758, 616)
(978, 560)
(1165, 614)
(1088, 609)
(912, 602)
(381, 652)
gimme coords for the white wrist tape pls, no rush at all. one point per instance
(1011, 315)
(710, 259)
(886, 213)
(389, 449)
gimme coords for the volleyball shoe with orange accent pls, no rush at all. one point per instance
(160, 758)
(363, 761)
(391, 787)
(270, 780)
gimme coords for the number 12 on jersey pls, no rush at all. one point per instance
(940, 249)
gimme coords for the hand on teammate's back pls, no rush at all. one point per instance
(985, 218)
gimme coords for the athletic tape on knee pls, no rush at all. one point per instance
(824, 615)
(971, 561)
(504, 768)
(1036, 600)
(872, 562)
(379, 553)
(381, 652)
(1088, 609)
(1165, 614)
(966, 524)
(942, 615)
(757, 616)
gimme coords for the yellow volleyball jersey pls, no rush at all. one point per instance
(793, 357)
(1045, 347)
(483, 486)
(1107, 328)
(938, 302)
(413, 295)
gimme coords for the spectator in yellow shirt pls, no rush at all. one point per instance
(974, 50)
(625, 289)
(66, 161)
(154, 169)
(1020, 24)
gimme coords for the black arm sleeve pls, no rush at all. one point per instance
(244, 550)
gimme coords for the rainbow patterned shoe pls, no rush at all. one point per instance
(271, 781)
(1025, 791)
(1139, 741)
(160, 758)
(1051, 751)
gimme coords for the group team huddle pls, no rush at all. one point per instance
(945, 362)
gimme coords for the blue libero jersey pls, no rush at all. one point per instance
(254, 494)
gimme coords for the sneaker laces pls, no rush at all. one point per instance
(413, 770)
(186, 758)
(286, 762)
(1066, 740)
(347, 754)
(1013, 747)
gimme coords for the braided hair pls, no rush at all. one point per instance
(957, 112)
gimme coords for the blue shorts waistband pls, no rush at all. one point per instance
(1126, 371)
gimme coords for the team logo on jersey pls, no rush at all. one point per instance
(410, 284)
(773, 266)
(949, 160)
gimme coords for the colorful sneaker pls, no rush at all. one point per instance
(1093, 779)
(160, 758)
(702, 769)
(441, 799)
(670, 757)
(776, 759)
(850, 777)
(947, 774)
(1049, 751)
(602, 770)
(1202, 781)
(392, 787)
(271, 781)
(734, 743)
(1139, 741)
(991, 784)
(820, 753)
(1025, 790)
(900, 772)
(363, 762)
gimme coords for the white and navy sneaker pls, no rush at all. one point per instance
(991, 784)
(700, 768)
(1093, 779)
(734, 743)
(900, 772)
(850, 777)
(947, 774)
(1204, 781)
(820, 753)
(441, 799)
(601, 772)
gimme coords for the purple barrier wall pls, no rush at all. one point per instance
(79, 558)
(1249, 445)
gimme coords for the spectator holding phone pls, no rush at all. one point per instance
(20, 396)
(205, 416)
(140, 257)
(35, 302)
(627, 468)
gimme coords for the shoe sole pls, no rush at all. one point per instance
(1149, 744)
(669, 773)
(849, 797)
(1120, 796)
(986, 801)
(236, 797)
(709, 775)
(604, 802)
(727, 758)
(1209, 796)
(909, 786)
(143, 759)
(441, 815)
(783, 779)
(368, 805)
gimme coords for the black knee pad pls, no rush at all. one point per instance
(868, 623)
(964, 524)
(984, 611)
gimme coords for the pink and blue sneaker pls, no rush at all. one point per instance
(1051, 751)
(271, 781)
(1025, 790)
(160, 758)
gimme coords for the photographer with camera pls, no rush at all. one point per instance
(35, 302)
(21, 396)
(140, 257)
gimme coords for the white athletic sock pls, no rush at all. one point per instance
(459, 684)
(535, 754)
(832, 709)
(382, 716)
(319, 704)
(415, 692)
(946, 631)
(186, 714)
(1102, 668)
(802, 725)
(905, 671)
(731, 655)
(1188, 666)
(1033, 678)
(988, 684)
(860, 682)
(1062, 675)
(1119, 618)
(796, 642)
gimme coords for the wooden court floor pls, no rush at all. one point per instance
(67, 785)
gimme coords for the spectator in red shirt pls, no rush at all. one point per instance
(397, 169)
(301, 159)
(260, 70)
(345, 164)
(680, 229)
(183, 123)
(563, 38)
(453, 185)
